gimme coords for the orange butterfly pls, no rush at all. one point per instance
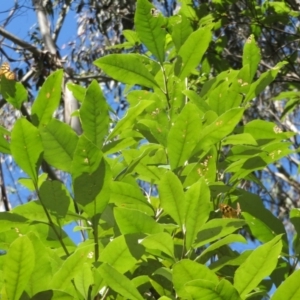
(5, 71)
(229, 212)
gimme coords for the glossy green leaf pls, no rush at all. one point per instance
(263, 81)
(264, 130)
(187, 270)
(194, 97)
(134, 221)
(129, 196)
(203, 289)
(78, 91)
(42, 272)
(26, 147)
(160, 241)
(55, 197)
(262, 223)
(289, 289)
(47, 100)
(172, 197)
(4, 138)
(59, 142)
(130, 118)
(84, 280)
(210, 250)
(218, 129)
(118, 255)
(13, 92)
(127, 68)
(18, 267)
(198, 209)
(32, 211)
(118, 145)
(260, 264)
(217, 228)
(239, 139)
(149, 28)
(224, 97)
(94, 115)
(119, 283)
(181, 31)
(184, 135)
(191, 52)
(251, 55)
(71, 267)
(91, 177)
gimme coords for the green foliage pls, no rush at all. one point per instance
(146, 189)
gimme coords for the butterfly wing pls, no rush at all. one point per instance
(5, 70)
(229, 212)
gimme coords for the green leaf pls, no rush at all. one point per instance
(42, 272)
(251, 55)
(203, 289)
(94, 115)
(160, 241)
(134, 221)
(265, 131)
(263, 81)
(198, 209)
(260, 264)
(239, 139)
(117, 254)
(13, 92)
(184, 135)
(210, 250)
(191, 52)
(91, 177)
(48, 99)
(4, 138)
(289, 289)
(130, 118)
(18, 267)
(218, 129)
(84, 280)
(217, 228)
(55, 197)
(194, 97)
(71, 267)
(59, 141)
(150, 29)
(32, 211)
(78, 91)
(26, 147)
(172, 197)
(188, 270)
(127, 68)
(181, 31)
(119, 283)
(129, 196)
